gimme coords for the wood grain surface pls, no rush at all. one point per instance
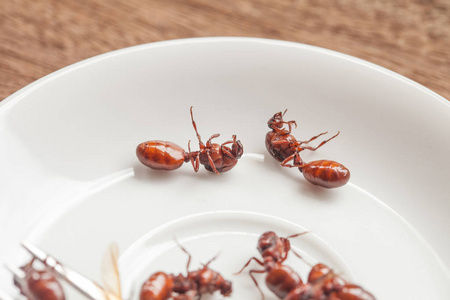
(411, 37)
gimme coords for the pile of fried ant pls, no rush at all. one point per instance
(283, 281)
(322, 283)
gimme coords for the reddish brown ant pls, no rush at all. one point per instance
(162, 155)
(323, 283)
(162, 286)
(38, 284)
(284, 147)
(280, 279)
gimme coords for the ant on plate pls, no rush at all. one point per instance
(324, 284)
(218, 158)
(37, 284)
(280, 278)
(286, 284)
(163, 286)
(284, 147)
(44, 284)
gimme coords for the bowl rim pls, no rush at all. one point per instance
(19, 94)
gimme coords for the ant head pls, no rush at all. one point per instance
(237, 149)
(276, 120)
(271, 245)
(226, 288)
(266, 241)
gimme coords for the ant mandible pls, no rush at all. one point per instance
(284, 147)
(218, 158)
(280, 279)
(162, 286)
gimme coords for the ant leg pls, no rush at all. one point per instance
(195, 128)
(195, 162)
(226, 151)
(248, 262)
(233, 141)
(313, 138)
(295, 253)
(284, 163)
(211, 162)
(208, 142)
(302, 258)
(237, 145)
(185, 251)
(298, 162)
(256, 283)
(321, 144)
(289, 124)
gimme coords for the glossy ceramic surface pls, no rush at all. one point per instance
(71, 182)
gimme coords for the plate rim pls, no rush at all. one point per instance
(19, 94)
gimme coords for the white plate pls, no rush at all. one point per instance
(71, 183)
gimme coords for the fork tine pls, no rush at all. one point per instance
(35, 251)
(83, 284)
(18, 273)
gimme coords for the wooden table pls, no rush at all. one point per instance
(411, 37)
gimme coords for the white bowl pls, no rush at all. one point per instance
(71, 182)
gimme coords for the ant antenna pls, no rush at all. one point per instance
(211, 260)
(185, 251)
(195, 127)
(296, 235)
(295, 253)
(303, 259)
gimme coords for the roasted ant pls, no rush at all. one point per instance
(42, 284)
(280, 279)
(284, 147)
(324, 284)
(38, 284)
(162, 155)
(162, 286)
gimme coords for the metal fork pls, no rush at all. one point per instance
(84, 285)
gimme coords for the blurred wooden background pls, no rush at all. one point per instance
(411, 37)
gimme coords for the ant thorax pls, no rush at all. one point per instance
(269, 263)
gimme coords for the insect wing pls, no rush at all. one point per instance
(110, 273)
